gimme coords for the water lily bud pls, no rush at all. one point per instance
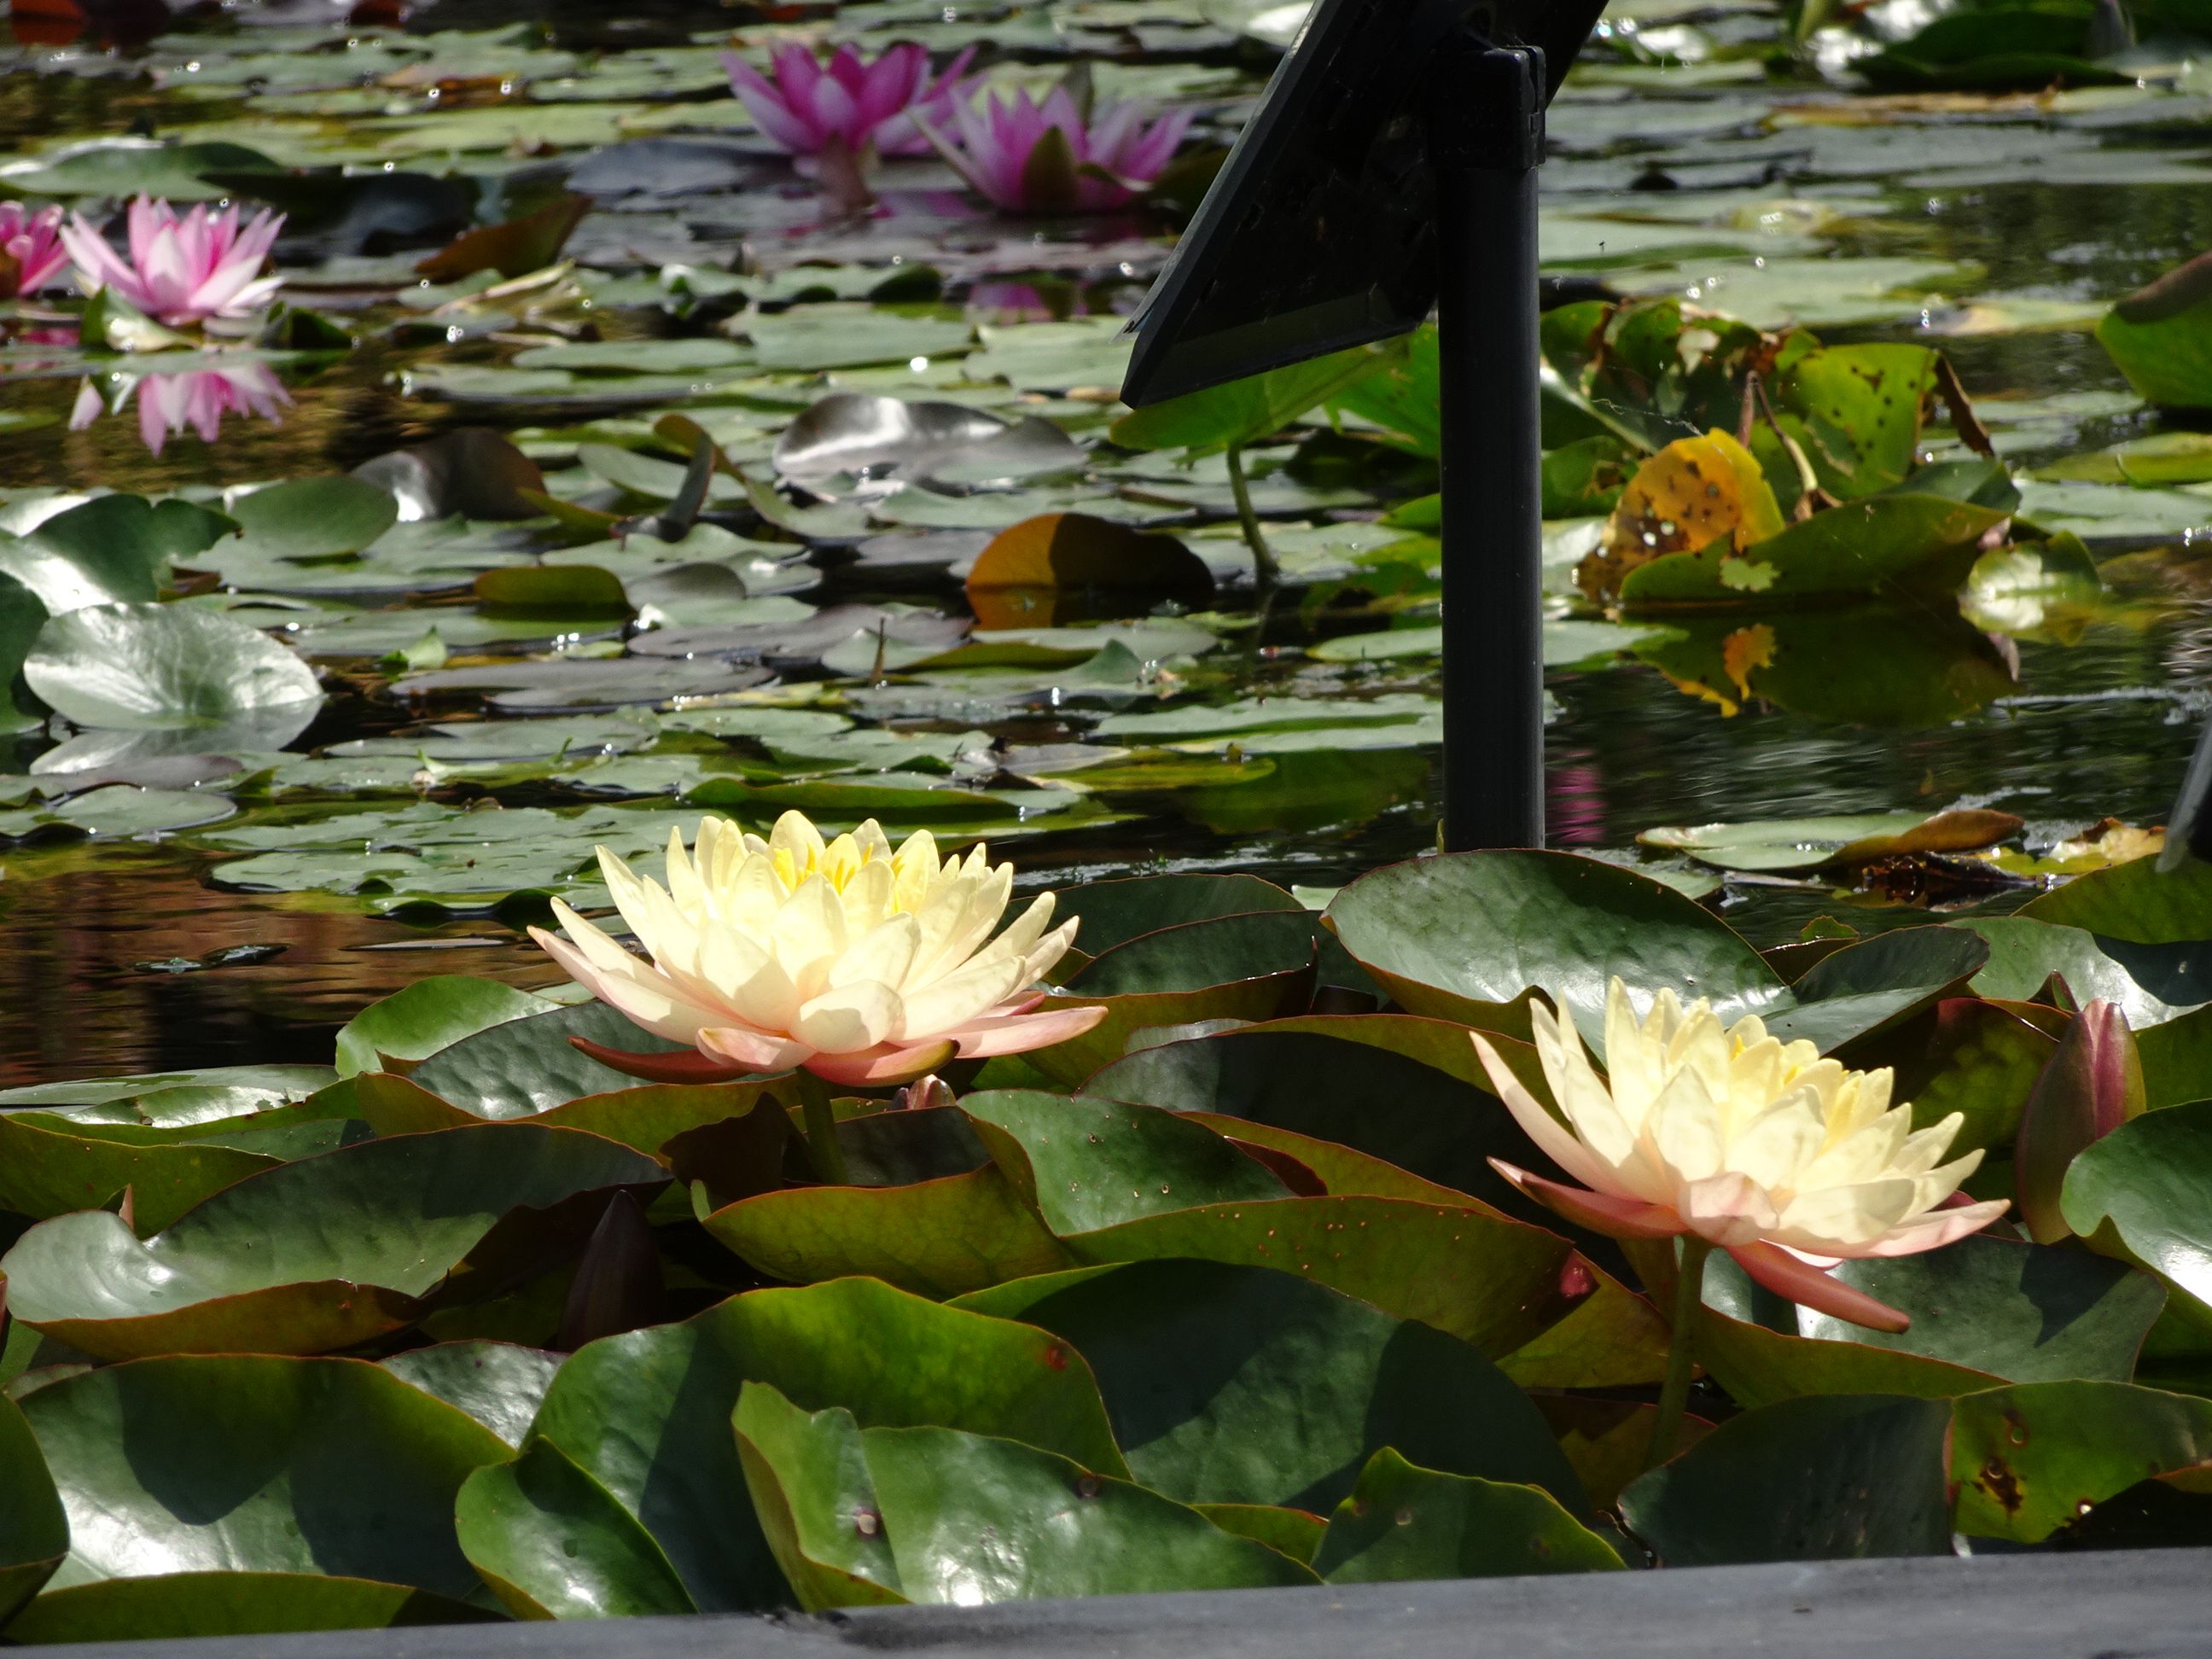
(2089, 1087)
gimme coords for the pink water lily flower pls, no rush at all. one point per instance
(181, 271)
(172, 399)
(31, 254)
(864, 107)
(1029, 157)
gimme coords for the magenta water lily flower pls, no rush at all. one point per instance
(864, 106)
(171, 400)
(1029, 157)
(31, 251)
(181, 271)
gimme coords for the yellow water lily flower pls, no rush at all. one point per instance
(857, 963)
(1788, 1162)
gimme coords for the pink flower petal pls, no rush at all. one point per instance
(1779, 1271)
(755, 1051)
(677, 1066)
(886, 1063)
(1017, 1033)
(1601, 1212)
(1937, 1228)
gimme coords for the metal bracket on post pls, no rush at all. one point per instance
(1486, 117)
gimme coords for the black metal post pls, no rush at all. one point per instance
(1487, 137)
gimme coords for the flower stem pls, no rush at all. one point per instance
(1263, 556)
(1681, 1346)
(829, 1158)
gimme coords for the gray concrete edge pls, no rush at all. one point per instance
(2145, 1604)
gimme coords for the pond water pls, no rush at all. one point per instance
(1998, 226)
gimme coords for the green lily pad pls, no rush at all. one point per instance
(525, 1066)
(35, 1534)
(1072, 1158)
(1262, 996)
(938, 1237)
(1190, 1358)
(46, 1171)
(312, 517)
(2177, 1060)
(346, 1246)
(498, 1383)
(1877, 545)
(1466, 937)
(112, 548)
(841, 333)
(223, 1603)
(1812, 843)
(2161, 339)
(1243, 411)
(1466, 1269)
(645, 1117)
(2025, 951)
(140, 667)
(1114, 912)
(647, 1414)
(1343, 1088)
(256, 1463)
(1194, 956)
(1405, 1521)
(2148, 1186)
(2029, 1459)
(1826, 1478)
(967, 1518)
(1965, 1056)
(2135, 901)
(553, 1543)
(2003, 1308)
(426, 1016)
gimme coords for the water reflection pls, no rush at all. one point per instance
(79, 1004)
(198, 396)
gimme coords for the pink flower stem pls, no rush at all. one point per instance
(822, 1145)
(1681, 1346)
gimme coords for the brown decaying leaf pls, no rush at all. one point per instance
(1066, 567)
(518, 245)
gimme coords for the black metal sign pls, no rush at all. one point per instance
(1320, 232)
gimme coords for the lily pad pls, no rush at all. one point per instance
(2022, 1312)
(34, 1535)
(647, 1414)
(352, 1243)
(1404, 1522)
(1547, 920)
(165, 666)
(254, 1463)
(1189, 1356)
(1833, 1476)
(968, 1518)
(1886, 544)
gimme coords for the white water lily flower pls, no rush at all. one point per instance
(860, 965)
(1788, 1162)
